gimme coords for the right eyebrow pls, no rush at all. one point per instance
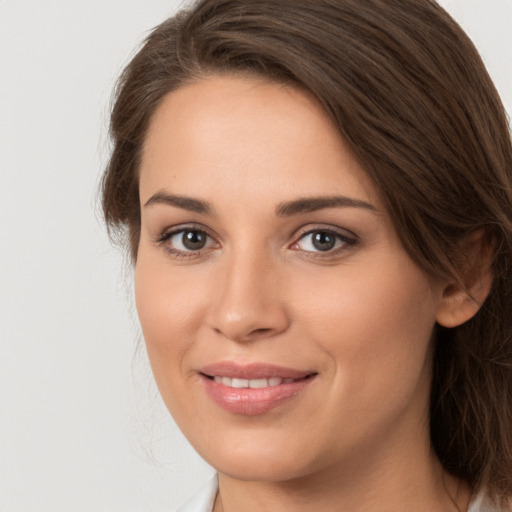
(184, 202)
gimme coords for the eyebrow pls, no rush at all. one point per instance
(186, 203)
(286, 209)
(311, 204)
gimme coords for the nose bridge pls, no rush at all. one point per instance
(249, 304)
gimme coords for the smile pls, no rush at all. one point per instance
(251, 383)
(253, 389)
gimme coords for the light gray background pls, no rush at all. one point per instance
(82, 427)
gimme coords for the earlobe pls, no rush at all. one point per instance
(462, 299)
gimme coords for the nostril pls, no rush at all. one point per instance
(257, 333)
(261, 331)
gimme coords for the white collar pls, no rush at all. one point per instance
(480, 503)
(203, 500)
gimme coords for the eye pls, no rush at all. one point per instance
(186, 241)
(189, 240)
(323, 240)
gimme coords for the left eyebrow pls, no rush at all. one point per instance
(311, 204)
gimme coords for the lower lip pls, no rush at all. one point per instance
(253, 401)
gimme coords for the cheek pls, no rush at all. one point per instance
(169, 309)
(375, 325)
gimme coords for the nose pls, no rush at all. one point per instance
(250, 303)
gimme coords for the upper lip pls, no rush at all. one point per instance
(252, 371)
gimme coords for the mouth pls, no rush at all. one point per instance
(233, 382)
(253, 389)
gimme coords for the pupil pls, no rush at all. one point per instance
(323, 241)
(194, 240)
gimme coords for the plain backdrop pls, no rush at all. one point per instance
(82, 426)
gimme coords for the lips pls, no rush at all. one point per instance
(252, 371)
(252, 389)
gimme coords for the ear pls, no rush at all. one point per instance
(461, 299)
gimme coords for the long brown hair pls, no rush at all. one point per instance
(408, 91)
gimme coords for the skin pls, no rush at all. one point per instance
(360, 316)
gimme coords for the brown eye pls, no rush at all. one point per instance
(194, 240)
(323, 240)
(188, 240)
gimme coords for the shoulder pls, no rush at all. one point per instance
(203, 500)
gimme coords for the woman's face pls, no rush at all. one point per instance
(287, 328)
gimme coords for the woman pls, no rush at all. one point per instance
(317, 198)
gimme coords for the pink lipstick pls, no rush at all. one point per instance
(252, 389)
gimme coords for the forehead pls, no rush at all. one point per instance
(248, 135)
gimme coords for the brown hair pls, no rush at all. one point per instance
(408, 91)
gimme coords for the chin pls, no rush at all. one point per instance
(261, 461)
(260, 470)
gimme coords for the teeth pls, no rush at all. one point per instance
(240, 383)
(258, 383)
(251, 383)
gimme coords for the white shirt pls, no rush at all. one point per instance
(203, 500)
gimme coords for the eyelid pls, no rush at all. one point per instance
(172, 230)
(348, 237)
(312, 227)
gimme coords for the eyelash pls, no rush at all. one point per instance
(165, 237)
(346, 240)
